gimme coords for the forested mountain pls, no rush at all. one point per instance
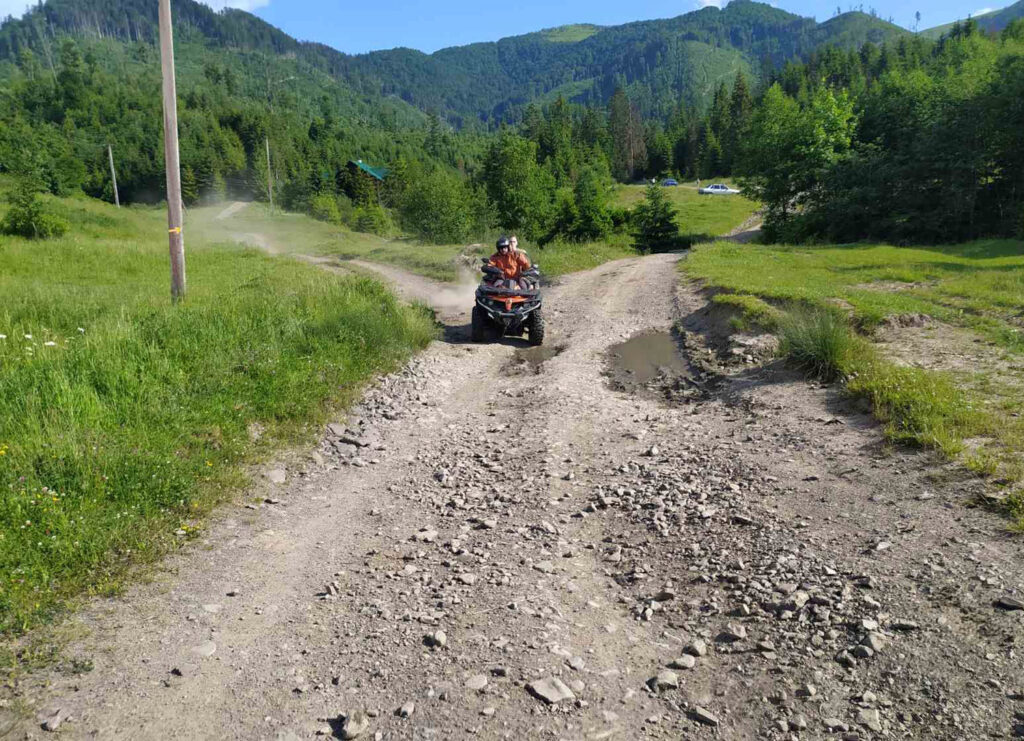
(920, 143)
(78, 77)
(992, 22)
(866, 129)
(657, 62)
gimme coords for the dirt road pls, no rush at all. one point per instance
(497, 547)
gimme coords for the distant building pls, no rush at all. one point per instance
(363, 182)
(358, 166)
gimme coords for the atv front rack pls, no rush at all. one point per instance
(508, 292)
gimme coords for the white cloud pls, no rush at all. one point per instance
(711, 3)
(17, 8)
(983, 11)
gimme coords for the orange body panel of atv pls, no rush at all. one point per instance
(509, 300)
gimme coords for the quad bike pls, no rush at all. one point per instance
(506, 308)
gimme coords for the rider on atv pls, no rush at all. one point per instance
(510, 261)
(508, 300)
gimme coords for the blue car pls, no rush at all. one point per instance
(669, 182)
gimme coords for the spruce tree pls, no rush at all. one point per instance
(654, 222)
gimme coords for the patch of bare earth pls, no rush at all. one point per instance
(748, 231)
(891, 286)
(923, 342)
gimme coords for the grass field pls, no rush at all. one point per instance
(977, 287)
(294, 233)
(124, 419)
(703, 217)
(700, 218)
(561, 258)
(570, 34)
(979, 284)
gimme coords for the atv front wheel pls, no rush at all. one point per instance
(479, 326)
(535, 328)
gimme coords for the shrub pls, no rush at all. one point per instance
(373, 219)
(324, 207)
(654, 222)
(620, 216)
(346, 209)
(438, 208)
(28, 216)
(819, 342)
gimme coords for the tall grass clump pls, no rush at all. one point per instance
(818, 341)
(124, 419)
(917, 406)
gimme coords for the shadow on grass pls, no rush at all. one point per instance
(683, 242)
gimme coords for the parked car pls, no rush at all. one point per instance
(718, 189)
(669, 182)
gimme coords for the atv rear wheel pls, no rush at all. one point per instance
(479, 326)
(535, 328)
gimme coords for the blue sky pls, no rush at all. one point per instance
(355, 27)
(362, 26)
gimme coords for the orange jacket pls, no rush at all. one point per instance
(511, 264)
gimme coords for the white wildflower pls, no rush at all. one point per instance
(28, 337)
(81, 330)
(50, 344)
(3, 337)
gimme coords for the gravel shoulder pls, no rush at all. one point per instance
(479, 552)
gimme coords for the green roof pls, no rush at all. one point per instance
(377, 172)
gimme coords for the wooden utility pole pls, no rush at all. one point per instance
(270, 178)
(171, 156)
(113, 176)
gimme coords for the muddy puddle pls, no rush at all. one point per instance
(653, 362)
(530, 361)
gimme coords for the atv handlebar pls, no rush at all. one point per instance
(511, 292)
(533, 272)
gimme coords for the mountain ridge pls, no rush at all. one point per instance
(992, 22)
(658, 61)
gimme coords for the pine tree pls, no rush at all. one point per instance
(519, 188)
(659, 152)
(718, 117)
(654, 222)
(396, 182)
(533, 123)
(629, 154)
(189, 187)
(710, 155)
(741, 104)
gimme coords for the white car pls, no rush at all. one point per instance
(718, 189)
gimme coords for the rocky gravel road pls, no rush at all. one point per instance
(498, 545)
